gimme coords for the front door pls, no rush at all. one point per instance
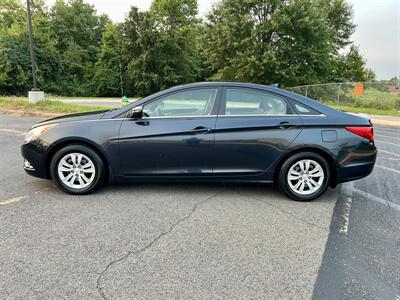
(174, 137)
(253, 130)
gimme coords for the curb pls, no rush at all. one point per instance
(376, 121)
(32, 113)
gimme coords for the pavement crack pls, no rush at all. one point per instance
(147, 246)
(288, 213)
(391, 210)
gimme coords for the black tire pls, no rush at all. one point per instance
(99, 176)
(282, 177)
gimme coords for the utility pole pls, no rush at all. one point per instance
(33, 62)
(121, 82)
(35, 95)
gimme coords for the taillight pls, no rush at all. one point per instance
(366, 132)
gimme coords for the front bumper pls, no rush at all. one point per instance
(34, 154)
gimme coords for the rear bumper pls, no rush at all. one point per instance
(356, 171)
(358, 165)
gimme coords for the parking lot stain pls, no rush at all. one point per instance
(19, 198)
(13, 200)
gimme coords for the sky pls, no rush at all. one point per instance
(377, 33)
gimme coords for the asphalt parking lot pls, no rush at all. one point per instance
(197, 241)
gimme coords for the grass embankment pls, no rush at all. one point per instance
(373, 101)
(364, 110)
(49, 106)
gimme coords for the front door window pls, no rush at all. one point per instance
(189, 103)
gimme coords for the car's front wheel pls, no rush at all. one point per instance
(77, 169)
(304, 176)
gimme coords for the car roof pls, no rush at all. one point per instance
(326, 110)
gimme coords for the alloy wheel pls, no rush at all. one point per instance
(76, 170)
(305, 177)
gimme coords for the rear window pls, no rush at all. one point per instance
(302, 109)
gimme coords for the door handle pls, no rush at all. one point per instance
(201, 129)
(286, 124)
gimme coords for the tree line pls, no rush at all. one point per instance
(81, 53)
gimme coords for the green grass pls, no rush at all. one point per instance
(53, 97)
(365, 110)
(53, 106)
(375, 99)
(22, 104)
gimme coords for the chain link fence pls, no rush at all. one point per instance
(380, 96)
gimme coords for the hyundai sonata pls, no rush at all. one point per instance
(212, 131)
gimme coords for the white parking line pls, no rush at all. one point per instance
(388, 169)
(344, 227)
(388, 143)
(372, 197)
(387, 136)
(13, 200)
(388, 152)
(17, 132)
(389, 129)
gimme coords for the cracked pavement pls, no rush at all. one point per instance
(151, 243)
(154, 241)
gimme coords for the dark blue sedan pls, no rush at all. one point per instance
(212, 131)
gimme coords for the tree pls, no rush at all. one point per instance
(110, 70)
(160, 45)
(339, 15)
(15, 64)
(266, 41)
(11, 12)
(351, 67)
(292, 42)
(76, 31)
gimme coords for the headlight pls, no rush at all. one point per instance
(34, 133)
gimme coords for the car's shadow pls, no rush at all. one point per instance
(255, 191)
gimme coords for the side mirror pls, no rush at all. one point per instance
(135, 113)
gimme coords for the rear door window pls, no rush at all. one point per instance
(239, 101)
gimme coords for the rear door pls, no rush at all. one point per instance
(253, 129)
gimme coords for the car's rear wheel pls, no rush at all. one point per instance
(77, 169)
(304, 176)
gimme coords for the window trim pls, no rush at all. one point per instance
(212, 113)
(179, 117)
(222, 106)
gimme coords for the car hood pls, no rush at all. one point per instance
(85, 116)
